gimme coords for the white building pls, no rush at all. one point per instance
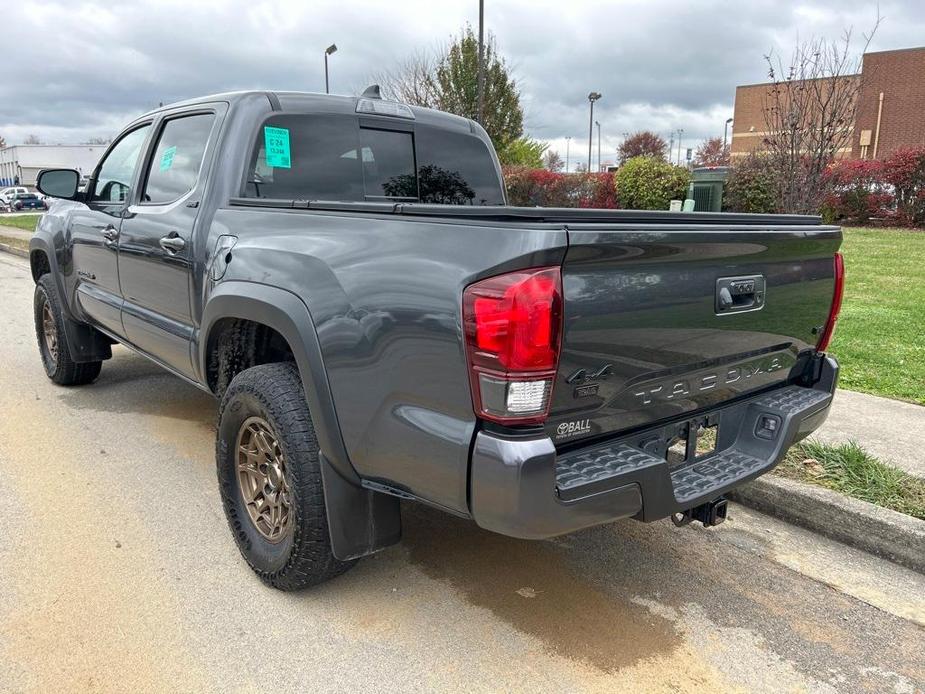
(20, 164)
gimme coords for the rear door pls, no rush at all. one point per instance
(156, 242)
(661, 321)
(94, 230)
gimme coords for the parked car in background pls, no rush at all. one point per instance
(7, 195)
(26, 201)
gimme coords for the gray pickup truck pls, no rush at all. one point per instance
(344, 275)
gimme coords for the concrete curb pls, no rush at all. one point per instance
(12, 250)
(880, 531)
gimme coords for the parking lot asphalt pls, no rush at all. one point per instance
(118, 572)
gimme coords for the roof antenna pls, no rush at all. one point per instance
(372, 92)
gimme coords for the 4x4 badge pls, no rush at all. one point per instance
(584, 376)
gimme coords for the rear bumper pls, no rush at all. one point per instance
(522, 488)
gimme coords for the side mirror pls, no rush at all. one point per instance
(58, 183)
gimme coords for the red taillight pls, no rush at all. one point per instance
(829, 329)
(513, 324)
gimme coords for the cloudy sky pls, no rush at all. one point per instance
(76, 70)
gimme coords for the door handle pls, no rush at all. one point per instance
(173, 243)
(110, 233)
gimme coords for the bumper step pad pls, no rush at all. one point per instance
(791, 399)
(704, 476)
(600, 468)
(589, 468)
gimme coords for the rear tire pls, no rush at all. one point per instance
(50, 321)
(266, 446)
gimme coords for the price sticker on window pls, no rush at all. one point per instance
(167, 158)
(276, 141)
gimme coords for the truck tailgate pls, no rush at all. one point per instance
(664, 320)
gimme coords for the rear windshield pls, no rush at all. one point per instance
(317, 157)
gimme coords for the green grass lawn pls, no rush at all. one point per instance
(851, 470)
(26, 221)
(880, 338)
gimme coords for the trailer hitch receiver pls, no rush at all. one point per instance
(710, 514)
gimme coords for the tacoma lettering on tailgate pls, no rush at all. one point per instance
(684, 387)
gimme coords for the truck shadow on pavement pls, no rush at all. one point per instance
(130, 384)
(533, 587)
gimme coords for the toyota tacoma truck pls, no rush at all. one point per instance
(344, 275)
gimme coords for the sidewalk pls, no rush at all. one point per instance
(891, 430)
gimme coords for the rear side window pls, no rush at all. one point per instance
(309, 158)
(306, 157)
(174, 168)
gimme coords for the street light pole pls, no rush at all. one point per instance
(680, 133)
(592, 97)
(481, 78)
(725, 133)
(598, 124)
(568, 142)
(328, 51)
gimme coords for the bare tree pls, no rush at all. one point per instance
(810, 110)
(32, 140)
(412, 81)
(552, 161)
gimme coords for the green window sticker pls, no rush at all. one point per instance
(167, 158)
(277, 147)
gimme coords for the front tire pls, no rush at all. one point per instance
(50, 320)
(270, 479)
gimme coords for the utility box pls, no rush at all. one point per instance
(706, 188)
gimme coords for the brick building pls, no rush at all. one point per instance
(890, 114)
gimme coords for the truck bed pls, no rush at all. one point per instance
(643, 340)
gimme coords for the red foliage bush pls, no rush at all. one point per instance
(542, 188)
(857, 192)
(904, 169)
(597, 191)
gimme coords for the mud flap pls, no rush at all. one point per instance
(86, 343)
(360, 521)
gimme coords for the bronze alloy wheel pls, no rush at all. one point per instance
(261, 468)
(50, 330)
